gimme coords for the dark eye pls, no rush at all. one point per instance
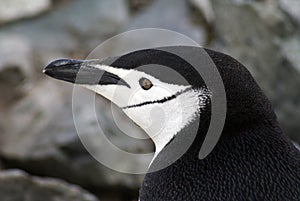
(145, 83)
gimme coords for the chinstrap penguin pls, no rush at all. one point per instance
(253, 159)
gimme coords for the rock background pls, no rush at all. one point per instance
(37, 132)
(17, 185)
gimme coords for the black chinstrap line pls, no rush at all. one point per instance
(159, 101)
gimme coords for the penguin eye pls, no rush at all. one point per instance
(145, 83)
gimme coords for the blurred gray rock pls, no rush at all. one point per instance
(73, 25)
(292, 8)
(40, 137)
(16, 185)
(28, 117)
(138, 5)
(16, 67)
(291, 50)
(168, 14)
(17, 9)
(263, 38)
(205, 8)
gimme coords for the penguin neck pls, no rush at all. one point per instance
(181, 120)
(180, 112)
(186, 144)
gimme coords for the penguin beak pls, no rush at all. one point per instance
(81, 72)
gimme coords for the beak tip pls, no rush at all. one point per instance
(48, 69)
(56, 66)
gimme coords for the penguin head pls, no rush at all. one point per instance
(159, 105)
(162, 104)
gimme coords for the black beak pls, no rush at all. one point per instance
(81, 72)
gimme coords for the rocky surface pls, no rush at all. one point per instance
(19, 9)
(61, 31)
(162, 14)
(138, 5)
(205, 8)
(291, 7)
(16, 61)
(16, 185)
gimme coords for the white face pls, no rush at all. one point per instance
(161, 109)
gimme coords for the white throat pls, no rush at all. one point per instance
(169, 117)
